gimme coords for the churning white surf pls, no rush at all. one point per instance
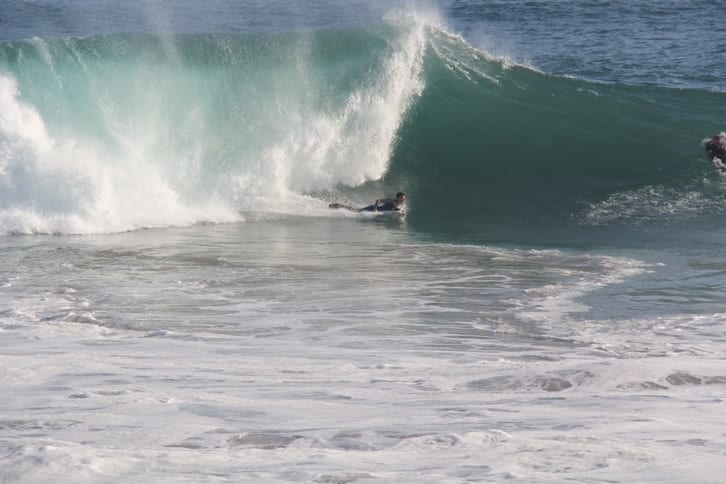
(115, 133)
(77, 185)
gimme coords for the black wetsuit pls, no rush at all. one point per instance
(716, 150)
(383, 206)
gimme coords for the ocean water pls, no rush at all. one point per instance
(179, 304)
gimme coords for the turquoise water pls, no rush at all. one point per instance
(267, 120)
(179, 304)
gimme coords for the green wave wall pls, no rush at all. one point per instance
(265, 120)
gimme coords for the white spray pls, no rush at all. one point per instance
(145, 147)
(69, 185)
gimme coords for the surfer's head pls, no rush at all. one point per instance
(400, 198)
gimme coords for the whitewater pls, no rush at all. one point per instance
(179, 304)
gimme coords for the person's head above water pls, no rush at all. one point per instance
(400, 198)
(716, 143)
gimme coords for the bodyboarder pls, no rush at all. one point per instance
(380, 205)
(716, 151)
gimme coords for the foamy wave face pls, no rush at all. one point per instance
(348, 141)
(73, 185)
(120, 132)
